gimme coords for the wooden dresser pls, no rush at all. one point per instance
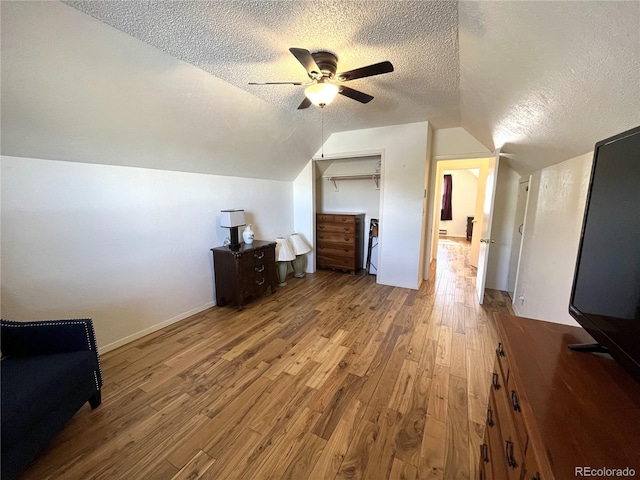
(244, 273)
(339, 241)
(554, 413)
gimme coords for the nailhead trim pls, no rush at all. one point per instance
(73, 321)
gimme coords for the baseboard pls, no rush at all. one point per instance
(515, 309)
(400, 285)
(153, 328)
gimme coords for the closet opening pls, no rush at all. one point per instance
(347, 187)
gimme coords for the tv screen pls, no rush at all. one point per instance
(605, 298)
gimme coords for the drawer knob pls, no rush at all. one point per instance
(508, 450)
(514, 401)
(500, 350)
(346, 239)
(260, 269)
(259, 255)
(320, 227)
(495, 382)
(490, 421)
(260, 282)
(484, 452)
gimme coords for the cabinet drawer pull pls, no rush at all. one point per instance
(346, 239)
(259, 255)
(344, 219)
(484, 452)
(500, 350)
(347, 229)
(494, 381)
(514, 401)
(490, 421)
(260, 282)
(320, 227)
(508, 450)
(260, 269)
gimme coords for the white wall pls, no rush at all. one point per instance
(456, 142)
(463, 204)
(504, 216)
(553, 223)
(404, 161)
(128, 247)
(304, 221)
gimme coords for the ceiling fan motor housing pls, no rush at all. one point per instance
(327, 62)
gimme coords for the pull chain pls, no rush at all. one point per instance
(322, 139)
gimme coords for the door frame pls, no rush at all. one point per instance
(526, 213)
(354, 155)
(464, 163)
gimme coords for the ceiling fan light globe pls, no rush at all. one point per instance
(321, 94)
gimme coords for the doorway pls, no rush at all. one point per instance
(518, 233)
(469, 172)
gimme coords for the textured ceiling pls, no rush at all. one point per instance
(543, 80)
(245, 41)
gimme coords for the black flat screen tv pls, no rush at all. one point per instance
(605, 297)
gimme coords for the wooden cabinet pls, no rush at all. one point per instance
(339, 241)
(552, 410)
(244, 273)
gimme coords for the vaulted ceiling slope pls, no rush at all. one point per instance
(167, 86)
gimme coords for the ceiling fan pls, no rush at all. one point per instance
(321, 66)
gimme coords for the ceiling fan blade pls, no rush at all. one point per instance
(306, 103)
(368, 71)
(355, 94)
(275, 83)
(304, 57)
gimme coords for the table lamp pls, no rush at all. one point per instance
(232, 219)
(300, 248)
(284, 254)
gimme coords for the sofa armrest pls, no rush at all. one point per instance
(49, 337)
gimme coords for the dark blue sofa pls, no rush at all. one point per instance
(49, 369)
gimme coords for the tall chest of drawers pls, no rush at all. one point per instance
(557, 414)
(340, 238)
(244, 273)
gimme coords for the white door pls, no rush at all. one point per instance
(521, 208)
(485, 228)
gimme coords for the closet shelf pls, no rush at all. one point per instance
(369, 176)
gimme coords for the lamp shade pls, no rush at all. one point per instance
(232, 218)
(284, 252)
(321, 94)
(299, 244)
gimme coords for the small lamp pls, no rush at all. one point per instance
(300, 248)
(232, 219)
(322, 93)
(284, 254)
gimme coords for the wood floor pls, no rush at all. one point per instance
(331, 377)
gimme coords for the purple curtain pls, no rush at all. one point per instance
(447, 189)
